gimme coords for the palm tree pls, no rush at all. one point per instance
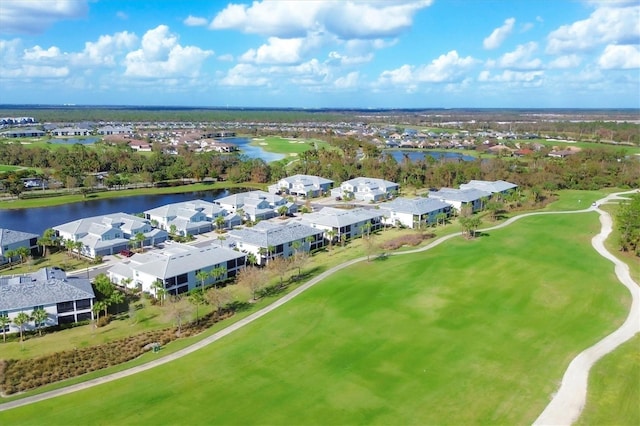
(48, 240)
(160, 291)
(9, 255)
(116, 298)
(196, 297)
(21, 320)
(4, 322)
(202, 277)
(139, 240)
(97, 307)
(221, 238)
(173, 229)
(39, 317)
(218, 272)
(23, 252)
(219, 223)
(331, 234)
(441, 217)
(69, 245)
(78, 246)
(251, 259)
(282, 210)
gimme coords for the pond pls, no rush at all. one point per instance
(251, 151)
(36, 220)
(415, 156)
(73, 141)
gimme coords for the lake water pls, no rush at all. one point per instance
(73, 141)
(253, 151)
(414, 156)
(36, 220)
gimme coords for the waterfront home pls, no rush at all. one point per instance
(176, 266)
(494, 187)
(460, 198)
(366, 189)
(65, 299)
(11, 240)
(109, 234)
(256, 205)
(191, 217)
(302, 185)
(413, 212)
(338, 224)
(270, 239)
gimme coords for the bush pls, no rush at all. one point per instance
(405, 240)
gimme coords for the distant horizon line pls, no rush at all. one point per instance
(258, 108)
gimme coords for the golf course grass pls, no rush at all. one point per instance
(614, 388)
(290, 146)
(470, 332)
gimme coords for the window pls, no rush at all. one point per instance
(4, 314)
(63, 307)
(83, 304)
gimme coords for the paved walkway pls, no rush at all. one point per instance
(571, 394)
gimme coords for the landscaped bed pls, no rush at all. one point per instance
(473, 331)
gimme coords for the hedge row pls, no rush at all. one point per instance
(18, 375)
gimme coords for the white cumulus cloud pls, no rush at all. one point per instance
(521, 58)
(35, 16)
(620, 57)
(606, 25)
(289, 18)
(449, 67)
(195, 21)
(161, 56)
(276, 51)
(495, 39)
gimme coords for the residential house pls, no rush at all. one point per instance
(71, 131)
(413, 212)
(494, 187)
(177, 267)
(460, 198)
(191, 217)
(11, 240)
(343, 224)
(256, 205)
(366, 189)
(115, 130)
(302, 185)
(109, 234)
(65, 299)
(268, 239)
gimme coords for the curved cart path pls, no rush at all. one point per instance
(553, 416)
(568, 402)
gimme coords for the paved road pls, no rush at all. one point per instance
(554, 416)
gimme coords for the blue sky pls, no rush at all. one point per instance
(322, 54)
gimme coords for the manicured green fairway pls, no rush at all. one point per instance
(288, 145)
(614, 388)
(472, 332)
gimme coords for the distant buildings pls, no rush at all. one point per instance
(366, 189)
(302, 185)
(256, 205)
(65, 299)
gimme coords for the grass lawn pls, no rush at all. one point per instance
(614, 388)
(289, 146)
(7, 168)
(470, 332)
(584, 145)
